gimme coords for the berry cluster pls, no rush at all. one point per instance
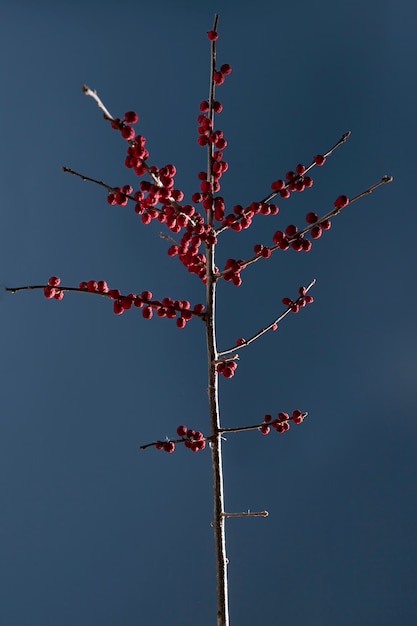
(301, 302)
(51, 290)
(227, 368)
(282, 422)
(180, 310)
(192, 439)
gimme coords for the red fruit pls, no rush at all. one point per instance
(340, 202)
(159, 445)
(319, 159)
(267, 417)
(128, 132)
(297, 245)
(146, 295)
(300, 168)
(311, 217)
(102, 286)
(54, 281)
(92, 285)
(169, 446)
(278, 236)
(204, 106)
(291, 230)
(316, 232)
(326, 224)
(297, 416)
(181, 322)
(147, 312)
(181, 430)
(131, 117)
(228, 372)
(277, 185)
(217, 106)
(308, 181)
(265, 430)
(284, 193)
(240, 341)
(287, 301)
(118, 307)
(218, 78)
(212, 35)
(205, 186)
(49, 292)
(59, 295)
(226, 69)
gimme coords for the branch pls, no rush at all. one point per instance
(271, 326)
(300, 234)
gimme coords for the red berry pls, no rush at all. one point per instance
(169, 446)
(319, 159)
(118, 307)
(102, 286)
(291, 230)
(147, 312)
(212, 35)
(181, 430)
(218, 78)
(300, 168)
(311, 217)
(204, 106)
(340, 202)
(316, 231)
(54, 281)
(59, 295)
(49, 292)
(128, 132)
(265, 430)
(92, 285)
(226, 69)
(131, 117)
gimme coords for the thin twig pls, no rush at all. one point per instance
(264, 330)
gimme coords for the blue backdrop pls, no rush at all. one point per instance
(95, 532)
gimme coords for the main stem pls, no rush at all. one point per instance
(212, 390)
(216, 449)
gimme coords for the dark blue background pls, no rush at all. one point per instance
(94, 532)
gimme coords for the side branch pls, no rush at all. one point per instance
(271, 326)
(340, 203)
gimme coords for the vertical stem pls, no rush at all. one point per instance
(216, 442)
(216, 451)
